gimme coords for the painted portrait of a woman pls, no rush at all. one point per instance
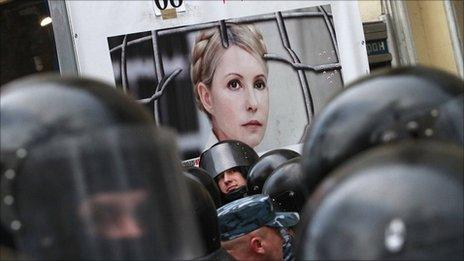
(230, 84)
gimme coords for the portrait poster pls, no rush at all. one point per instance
(312, 49)
(303, 73)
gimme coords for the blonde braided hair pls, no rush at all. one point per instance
(208, 50)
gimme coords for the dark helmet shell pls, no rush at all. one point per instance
(396, 201)
(404, 103)
(265, 165)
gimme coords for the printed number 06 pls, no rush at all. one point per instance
(164, 3)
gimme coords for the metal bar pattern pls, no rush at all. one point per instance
(124, 64)
(159, 72)
(301, 66)
(161, 87)
(330, 26)
(224, 36)
(301, 74)
(295, 62)
(198, 27)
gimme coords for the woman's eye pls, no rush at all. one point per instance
(233, 85)
(260, 85)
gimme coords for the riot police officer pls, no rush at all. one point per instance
(205, 215)
(227, 162)
(251, 229)
(400, 201)
(385, 107)
(205, 179)
(86, 175)
(286, 188)
(265, 165)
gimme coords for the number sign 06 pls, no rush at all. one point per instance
(163, 4)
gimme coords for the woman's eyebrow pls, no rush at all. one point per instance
(234, 74)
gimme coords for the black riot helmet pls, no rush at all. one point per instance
(226, 155)
(205, 215)
(286, 188)
(87, 175)
(265, 165)
(393, 202)
(202, 176)
(403, 103)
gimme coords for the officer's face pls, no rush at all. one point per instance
(114, 214)
(230, 180)
(238, 99)
(274, 242)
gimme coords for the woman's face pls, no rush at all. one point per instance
(238, 99)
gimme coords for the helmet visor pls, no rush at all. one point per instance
(114, 193)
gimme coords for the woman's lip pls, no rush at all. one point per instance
(252, 123)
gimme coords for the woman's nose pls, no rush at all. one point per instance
(252, 100)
